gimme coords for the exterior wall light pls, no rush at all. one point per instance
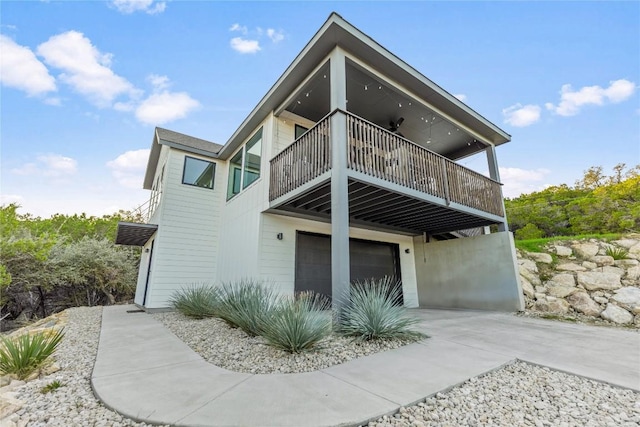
(279, 236)
(406, 251)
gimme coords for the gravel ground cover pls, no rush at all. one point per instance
(232, 349)
(73, 404)
(516, 395)
(521, 394)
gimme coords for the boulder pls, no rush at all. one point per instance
(601, 300)
(564, 279)
(582, 302)
(626, 262)
(614, 270)
(633, 273)
(563, 250)
(628, 298)
(569, 266)
(635, 249)
(601, 260)
(615, 314)
(540, 257)
(527, 264)
(586, 250)
(561, 291)
(527, 287)
(589, 265)
(552, 305)
(626, 243)
(530, 276)
(594, 280)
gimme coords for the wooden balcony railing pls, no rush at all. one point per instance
(307, 158)
(374, 151)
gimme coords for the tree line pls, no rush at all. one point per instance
(596, 204)
(48, 265)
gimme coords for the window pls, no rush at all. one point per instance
(244, 166)
(300, 130)
(198, 172)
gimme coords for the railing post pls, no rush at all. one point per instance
(340, 263)
(445, 181)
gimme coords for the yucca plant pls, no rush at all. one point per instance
(373, 311)
(246, 304)
(25, 354)
(616, 253)
(197, 301)
(299, 323)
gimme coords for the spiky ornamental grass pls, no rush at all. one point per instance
(373, 311)
(616, 253)
(298, 324)
(25, 354)
(197, 301)
(247, 305)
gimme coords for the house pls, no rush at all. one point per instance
(346, 169)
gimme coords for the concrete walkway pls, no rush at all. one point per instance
(144, 372)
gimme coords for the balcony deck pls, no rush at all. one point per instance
(393, 183)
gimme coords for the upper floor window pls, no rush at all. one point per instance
(198, 172)
(299, 131)
(244, 166)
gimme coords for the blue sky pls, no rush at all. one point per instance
(84, 83)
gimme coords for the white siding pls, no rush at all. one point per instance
(186, 245)
(277, 257)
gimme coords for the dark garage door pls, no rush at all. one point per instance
(368, 260)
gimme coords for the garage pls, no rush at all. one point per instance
(369, 259)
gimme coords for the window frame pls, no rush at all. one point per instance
(256, 137)
(213, 175)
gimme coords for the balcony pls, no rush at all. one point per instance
(394, 184)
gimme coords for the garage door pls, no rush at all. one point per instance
(369, 259)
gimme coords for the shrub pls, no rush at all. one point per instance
(247, 305)
(25, 354)
(298, 324)
(197, 301)
(373, 311)
(616, 253)
(529, 231)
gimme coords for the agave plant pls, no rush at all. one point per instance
(247, 305)
(299, 323)
(616, 253)
(372, 310)
(25, 354)
(197, 301)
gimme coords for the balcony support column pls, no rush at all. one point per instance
(494, 173)
(340, 263)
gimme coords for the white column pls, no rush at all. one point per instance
(340, 265)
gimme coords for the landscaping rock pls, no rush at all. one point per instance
(540, 257)
(634, 273)
(527, 288)
(635, 249)
(563, 279)
(615, 314)
(628, 298)
(614, 270)
(594, 280)
(626, 262)
(563, 250)
(589, 265)
(601, 260)
(586, 250)
(581, 302)
(560, 291)
(626, 243)
(569, 266)
(552, 305)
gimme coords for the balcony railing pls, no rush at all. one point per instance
(377, 152)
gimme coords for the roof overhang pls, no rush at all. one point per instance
(338, 32)
(134, 234)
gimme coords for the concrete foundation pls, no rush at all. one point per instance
(478, 273)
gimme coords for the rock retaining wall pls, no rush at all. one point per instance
(577, 277)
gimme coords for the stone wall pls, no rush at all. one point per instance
(578, 278)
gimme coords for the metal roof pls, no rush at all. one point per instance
(134, 234)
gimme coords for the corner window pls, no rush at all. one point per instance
(198, 172)
(300, 130)
(244, 166)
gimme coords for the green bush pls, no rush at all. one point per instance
(373, 311)
(616, 253)
(197, 301)
(529, 231)
(298, 324)
(25, 354)
(247, 305)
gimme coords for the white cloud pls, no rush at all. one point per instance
(20, 69)
(131, 6)
(158, 82)
(55, 101)
(128, 168)
(275, 36)
(6, 199)
(572, 101)
(240, 28)
(461, 96)
(521, 116)
(520, 181)
(51, 165)
(164, 107)
(244, 45)
(85, 68)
